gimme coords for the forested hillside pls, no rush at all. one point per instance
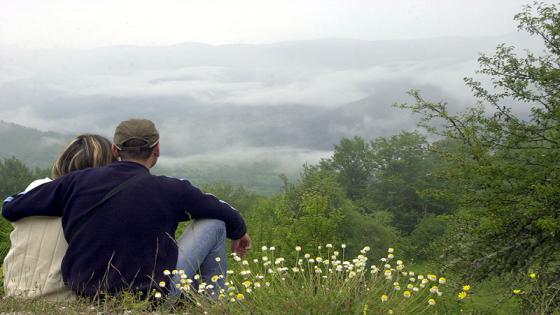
(34, 147)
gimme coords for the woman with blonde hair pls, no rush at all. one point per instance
(32, 265)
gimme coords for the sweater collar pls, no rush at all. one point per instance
(129, 165)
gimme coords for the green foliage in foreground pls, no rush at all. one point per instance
(318, 281)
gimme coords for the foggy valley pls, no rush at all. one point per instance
(231, 106)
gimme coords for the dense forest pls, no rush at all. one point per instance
(474, 194)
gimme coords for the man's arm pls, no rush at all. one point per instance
(43, 200)
(206, 206)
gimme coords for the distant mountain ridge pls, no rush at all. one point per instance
(34, 147)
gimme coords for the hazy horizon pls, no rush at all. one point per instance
(86, 24)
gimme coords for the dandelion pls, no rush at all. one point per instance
(218, 259)
(442, 280)
(157, 295)
(390, 256)
(462, 295)
(390, 312)
(432, 277)
(390, 250)
(343, 246)
(328, 246)
(306, 256)
(298, 248)
(384, 298)
(162, 284)
(431, 302)
(166, 272)
(240, 296)
(215, 278)
(466, 288)
(516, 291)
(399, 262)
(434, 289)
(532, 275)
(407, 294)
(272, 248)
(264, 248)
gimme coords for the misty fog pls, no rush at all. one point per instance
(286, 103)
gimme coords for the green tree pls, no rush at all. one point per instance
(353, 161)
(508, 219)
(394, 174)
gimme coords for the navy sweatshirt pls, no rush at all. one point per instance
(128, 240)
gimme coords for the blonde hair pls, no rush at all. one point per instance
(83, 152)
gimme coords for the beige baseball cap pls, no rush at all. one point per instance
(138, 129)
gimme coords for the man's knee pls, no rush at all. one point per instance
(211, 226)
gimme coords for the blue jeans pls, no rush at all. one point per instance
(198, 246)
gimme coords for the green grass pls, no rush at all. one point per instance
(270, 285)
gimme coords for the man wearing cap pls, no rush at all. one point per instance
(120, 221)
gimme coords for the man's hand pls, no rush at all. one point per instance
(241, 246)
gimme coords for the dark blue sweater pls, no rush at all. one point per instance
(128, 240)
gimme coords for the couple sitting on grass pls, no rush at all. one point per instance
(105, 225)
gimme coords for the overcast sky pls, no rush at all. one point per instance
(89, 24)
